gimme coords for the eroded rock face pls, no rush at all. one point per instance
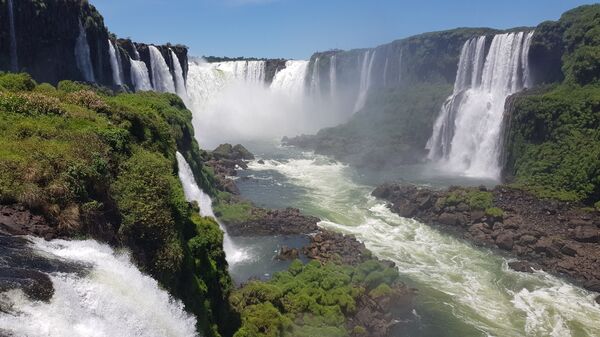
(560, 238)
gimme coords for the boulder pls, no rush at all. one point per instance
(450, 219)
(586, 234)
(521, 266)
(505, 241)
(527, 239)
(569, 249)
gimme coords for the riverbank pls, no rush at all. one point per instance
(372, 301)
(558, 237)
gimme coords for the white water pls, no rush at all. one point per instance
(136, 53)
(454, 279)
(192, 192)
(14, 59)
(466, 134)
(365, 80)
(140, 76)
(82, 55)
(315, 80)
(385, 70)
(115, 65)
(162, 80)
(179, 79)
(333, 77)
(230, 103)
(113, 299)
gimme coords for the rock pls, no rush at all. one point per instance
(527, 239)
(598, 299)
(405, 209)
(462, 207)
(477, 215)
(287, 221)
(382, 191)
(505, 241)
(521, 266)
(449, 219)
(226, 151)
(593, 285)
(261, 162)
(569, 249)
(586, 234)
(287, 253)
(546, 246)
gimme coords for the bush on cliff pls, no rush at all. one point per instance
(103, 165)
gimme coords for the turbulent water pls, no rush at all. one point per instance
(463, 290)
(162, 80)
(14, 59)
(82, 55)
(112, 298)
(115, 65)
(140, 76)
(466, 135)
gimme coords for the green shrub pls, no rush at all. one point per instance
(480, 200)
(31, 104)
(494, 212)
(17, 82)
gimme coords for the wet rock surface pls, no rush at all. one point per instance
(18, 220)
(560, 238)
(264, 222)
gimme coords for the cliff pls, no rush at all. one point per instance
(46, 35)
(552, 143)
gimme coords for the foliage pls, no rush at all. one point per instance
(474, 198)
(310, 300)
(480, 200)
(231, 210)
(94, 162)
(494, 212)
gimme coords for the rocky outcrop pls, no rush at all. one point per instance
(558, 237)
(263, 222)
(326, 246)
(46, 35)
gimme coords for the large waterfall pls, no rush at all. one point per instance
(315, 80)
(466, 135)
(140, 76)
(231, 102)
(179, 79)
(365, 80)
(115, 64)
(82, 55)
(194, 193)
(14, 59)
(109, 297)
(162, 80)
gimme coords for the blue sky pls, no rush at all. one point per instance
(297, 28)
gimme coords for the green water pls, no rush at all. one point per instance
(463, 290)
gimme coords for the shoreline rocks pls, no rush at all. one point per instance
(558, 237)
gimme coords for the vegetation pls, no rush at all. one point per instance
(475, 199)
(554, 142)
(104, 165)
(310, 300)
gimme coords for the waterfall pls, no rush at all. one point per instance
(385, 70)
(315, 80)
(244, 71)
(179, 80)
(290, 80)
(140, 76)
(194, 193)
(136, 53)
(466, 134)
(162, 80)
(110, 297)
(333, 77)
(115, 64)
(14, 59)
(365, 80)
(82, 55)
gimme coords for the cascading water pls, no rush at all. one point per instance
(466, 134)
(14, 59)
(290, 80)
(140, 76)
(110, 297)
(115, 64)
(136, 53)
(365, 80)
(194, 193)
(82, 55)
(315, 80)
(179, 79)
(162, 80)
(333, 77)
(385, 71)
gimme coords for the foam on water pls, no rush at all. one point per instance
(113, 299)
(474, 283)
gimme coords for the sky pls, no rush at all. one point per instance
(295, 29)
